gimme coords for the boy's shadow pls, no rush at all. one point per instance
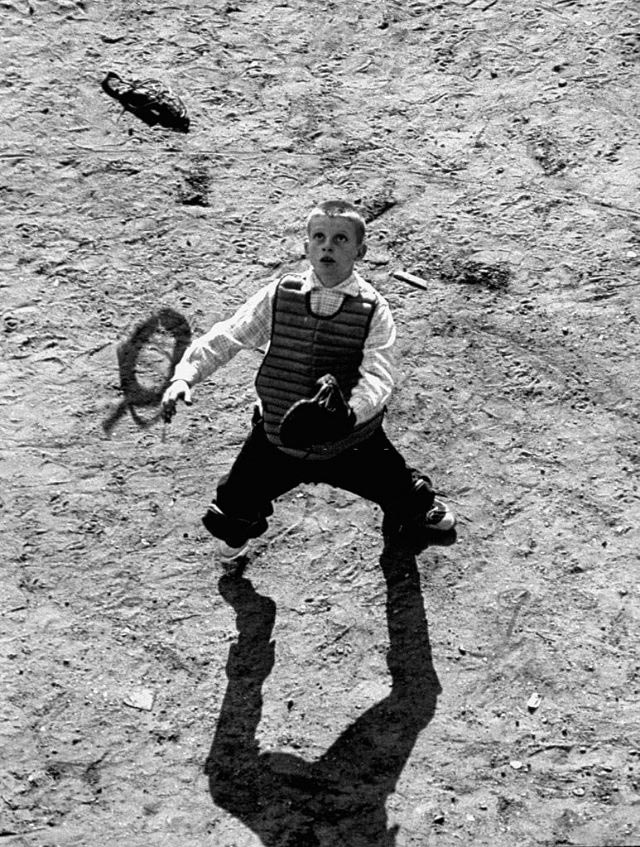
(338, 800)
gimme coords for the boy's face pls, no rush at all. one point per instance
(333, 248)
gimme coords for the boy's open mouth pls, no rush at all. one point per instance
(326, 260)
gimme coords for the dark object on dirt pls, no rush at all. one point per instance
(195, 191)
(325, 417)
(374, 207)
(545, 150)
(10, 322)
(148, 99)
(495, 277)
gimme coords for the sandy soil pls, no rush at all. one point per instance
(339, 694)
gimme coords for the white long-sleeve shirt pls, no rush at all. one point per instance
(250, 329)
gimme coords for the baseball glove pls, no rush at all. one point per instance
(324, 418)
(148, 99)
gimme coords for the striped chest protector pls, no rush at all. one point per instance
(304, 346)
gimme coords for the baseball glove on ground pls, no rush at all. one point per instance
(324, 418)
(148, 99)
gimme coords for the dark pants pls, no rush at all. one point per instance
(261, 473)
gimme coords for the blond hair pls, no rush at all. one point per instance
(340, 209)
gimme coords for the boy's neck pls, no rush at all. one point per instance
(332, 284)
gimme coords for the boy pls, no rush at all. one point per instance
(325, 327)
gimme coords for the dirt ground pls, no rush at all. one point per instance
(339, 694)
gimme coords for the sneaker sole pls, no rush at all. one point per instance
(443, 519)
(235, 554)
(445, 525)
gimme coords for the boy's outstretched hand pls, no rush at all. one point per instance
(178, 390)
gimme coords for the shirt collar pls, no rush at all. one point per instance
(349, 286)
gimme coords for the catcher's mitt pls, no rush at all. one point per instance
(324, 418)
(148, 99)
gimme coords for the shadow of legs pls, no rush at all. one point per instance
(409, 656)
(232, 764)
(339, 800)
(361, 769)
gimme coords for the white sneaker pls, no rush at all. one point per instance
(230, 554)
(440, 517)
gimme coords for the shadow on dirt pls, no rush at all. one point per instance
(137, 396)
(340, 798)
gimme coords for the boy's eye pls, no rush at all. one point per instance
(318, 236)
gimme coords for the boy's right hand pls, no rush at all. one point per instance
(178, 390)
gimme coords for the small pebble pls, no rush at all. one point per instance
(534, 701)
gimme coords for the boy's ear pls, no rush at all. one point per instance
(306, 249)
(362, 250)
